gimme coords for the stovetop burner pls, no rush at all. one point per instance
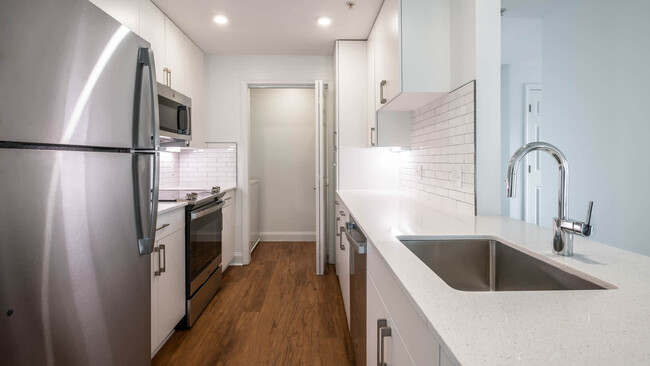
(189, 195)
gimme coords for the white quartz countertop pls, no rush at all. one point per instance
(524, 327)
(169, 206)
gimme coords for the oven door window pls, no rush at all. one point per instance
(205, 242)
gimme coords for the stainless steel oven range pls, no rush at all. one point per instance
(203, 241)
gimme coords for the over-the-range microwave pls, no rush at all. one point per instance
(175, 114)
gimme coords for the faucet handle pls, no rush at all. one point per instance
(590, 207)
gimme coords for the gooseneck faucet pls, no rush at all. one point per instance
(563, 227)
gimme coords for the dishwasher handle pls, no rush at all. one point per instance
(358, 246)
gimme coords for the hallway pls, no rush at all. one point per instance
(275, 311)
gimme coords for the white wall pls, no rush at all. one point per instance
(282, 158)
(476, 54)
(521, 59)
(228, 109)
(225, 75)
(488, 108)
(596, 73)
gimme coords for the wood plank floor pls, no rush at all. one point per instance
(275, 311)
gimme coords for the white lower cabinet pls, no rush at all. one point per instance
(342, 258)
(228, 238)
(411, 342)
(167, 277)
(377, 317)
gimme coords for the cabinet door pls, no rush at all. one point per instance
(395, 352)
(171, 283)
(154, 301)
(152, 28)
(373, 99)
(124, 11)
(228, 248)
(175, 55)
(387, 51)
(194, 89)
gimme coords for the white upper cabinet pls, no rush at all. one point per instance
(372, 101)
(175, 56)
(194, 85)
(152, 28)
(412, 53)
(179, 62)
(124, 11)
(387, 56)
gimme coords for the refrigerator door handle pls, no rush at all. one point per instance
(146, 58)
(146, 235)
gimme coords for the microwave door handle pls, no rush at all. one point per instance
(146, 58)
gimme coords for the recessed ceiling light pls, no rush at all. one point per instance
(220, 19)
(324, 21)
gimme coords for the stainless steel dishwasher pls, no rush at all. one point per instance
(358, 247)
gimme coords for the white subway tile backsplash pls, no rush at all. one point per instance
(442, 137)
(215, 166)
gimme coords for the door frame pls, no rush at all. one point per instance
(242, 247)
(528, 88)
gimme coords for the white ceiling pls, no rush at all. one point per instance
(530, 8)
(271, 27)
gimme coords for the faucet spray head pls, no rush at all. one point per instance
(511, 180)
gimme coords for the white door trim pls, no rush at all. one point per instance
(528, 89)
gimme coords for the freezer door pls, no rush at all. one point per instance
(70, 74)
(74, 289)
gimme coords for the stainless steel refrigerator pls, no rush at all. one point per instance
(78, 186)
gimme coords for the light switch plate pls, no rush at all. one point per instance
(457, 176)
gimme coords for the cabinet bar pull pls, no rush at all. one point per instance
(382, 100)
(342, 213)
(381, 323)
(372, 137)
(338, 219)
(157, 250)
(162, 227)
(383, 332)
(341, 230)
(163, 253)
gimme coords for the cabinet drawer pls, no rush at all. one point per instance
(169, 222)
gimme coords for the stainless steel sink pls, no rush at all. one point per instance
(489, 265)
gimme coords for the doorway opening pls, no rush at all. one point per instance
(288, 165)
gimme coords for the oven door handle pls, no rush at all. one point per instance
(207, 211)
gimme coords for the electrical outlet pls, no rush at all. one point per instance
(457, 176)
(419, 171)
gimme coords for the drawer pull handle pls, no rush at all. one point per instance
(338, 219)
(158, 272)
(163, 252)
(382, 331)
(162, 227)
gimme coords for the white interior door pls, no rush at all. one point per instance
(319, 186)
(533, 105)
